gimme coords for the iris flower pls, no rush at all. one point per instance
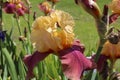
(53, 34)
(45, 7)
(15, 7)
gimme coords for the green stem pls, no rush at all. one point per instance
(1, 2)
(102, 29)
(18, 24)
(112, 67)
(28, 18)
(29, 23)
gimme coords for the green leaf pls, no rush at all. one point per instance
(21, 69)
(5, 72)
(10, 64)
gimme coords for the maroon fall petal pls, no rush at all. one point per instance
(31, 61)
(74, 62)
(100, 64)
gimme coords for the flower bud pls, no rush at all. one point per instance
(90, 6)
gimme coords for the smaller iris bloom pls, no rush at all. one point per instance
(2, 35)
(115, 6)
(15, 7)
(109, 52)
(45, 7)
(53, 34)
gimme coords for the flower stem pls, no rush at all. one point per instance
(29, 20)
(18, 24)
(1, 2)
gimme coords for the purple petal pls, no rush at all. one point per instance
(74, 62)
(31, 61)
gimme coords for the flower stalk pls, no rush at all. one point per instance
(1, 2)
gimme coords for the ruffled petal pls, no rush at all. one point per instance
(74, 62)
(53, 32)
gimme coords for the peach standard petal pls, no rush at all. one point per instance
(53, 32)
